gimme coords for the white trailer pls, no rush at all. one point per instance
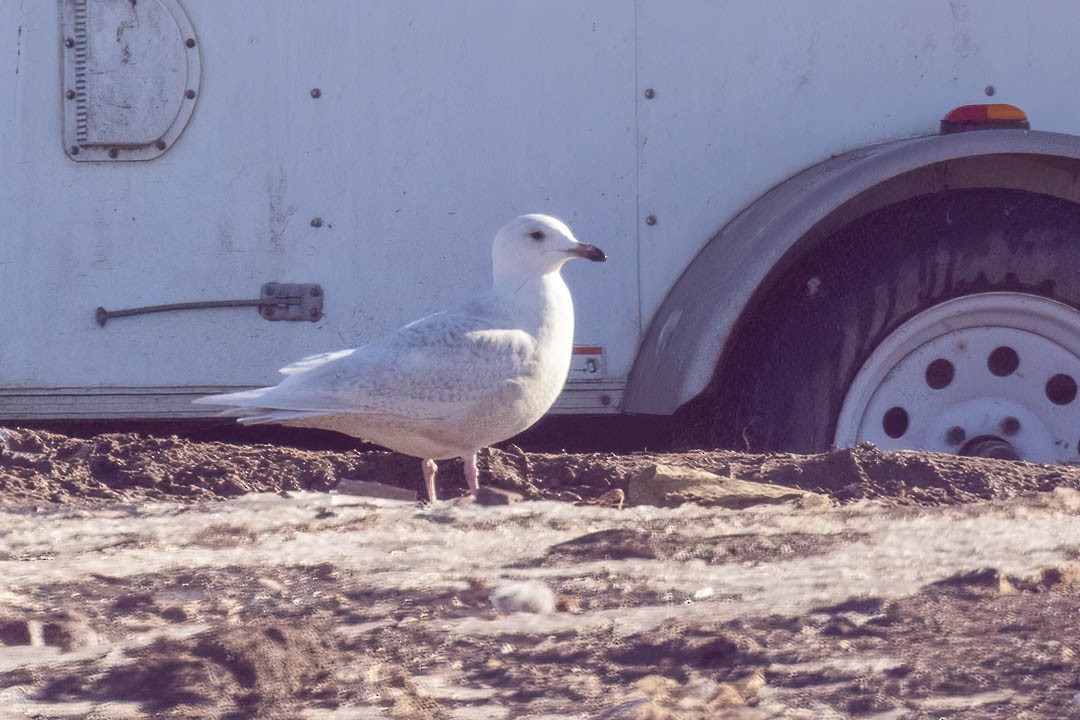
(799, 256)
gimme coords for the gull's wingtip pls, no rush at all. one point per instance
(243, 397)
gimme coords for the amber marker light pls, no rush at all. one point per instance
(984, 117)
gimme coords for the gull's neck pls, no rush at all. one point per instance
(536, 299)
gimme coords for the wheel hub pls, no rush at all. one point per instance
(991, 447)
(991, 375)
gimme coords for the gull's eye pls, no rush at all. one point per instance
(537, 235)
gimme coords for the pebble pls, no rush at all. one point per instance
(529, 596)
(486, 495)
(366, 488)
(272, 585)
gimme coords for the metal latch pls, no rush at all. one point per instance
(277, 301)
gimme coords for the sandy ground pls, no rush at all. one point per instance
(159, 577)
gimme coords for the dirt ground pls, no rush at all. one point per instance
(146, 576)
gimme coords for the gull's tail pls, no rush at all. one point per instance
(252, 407)
(249, 407)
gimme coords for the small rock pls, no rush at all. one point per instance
(515, 450)
(367, 488)
(69, 631)
(272, 585)
(128, 602)
(567, 604)
(669, 486)
(812, 501)
(705, 592)
(466, 500)
(324, 571)
(14, 631)
(1046, 578)
(652, 686)
(529, 596)
(752, 684)
(614, 498)
(661, 698)
(174, 614)
(497, 496)
(724, 695)
(338, 600)
(1067, 499)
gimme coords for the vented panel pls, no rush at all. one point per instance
(130, 79)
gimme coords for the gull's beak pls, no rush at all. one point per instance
(589, 252)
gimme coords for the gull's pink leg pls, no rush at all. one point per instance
(471, 473)
(430, 468)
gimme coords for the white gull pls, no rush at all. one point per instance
(453, 382)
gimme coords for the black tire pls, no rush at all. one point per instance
(783, 380)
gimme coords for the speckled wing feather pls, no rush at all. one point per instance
(430, 369)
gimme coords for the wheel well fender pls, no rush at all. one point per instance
(689, 333)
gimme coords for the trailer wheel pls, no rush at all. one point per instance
(945, 323)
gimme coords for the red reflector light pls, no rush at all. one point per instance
(982, 117)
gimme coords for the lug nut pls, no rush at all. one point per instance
(1010, 425)
(955, 435)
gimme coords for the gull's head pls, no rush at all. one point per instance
(537, 245)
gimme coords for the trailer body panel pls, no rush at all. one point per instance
(374, 148)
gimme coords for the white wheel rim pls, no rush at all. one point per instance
(985, 405)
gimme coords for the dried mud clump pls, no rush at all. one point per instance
(38, 466)
(258, 669)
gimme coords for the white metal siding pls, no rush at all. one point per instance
(749, 93)
(437, 122)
